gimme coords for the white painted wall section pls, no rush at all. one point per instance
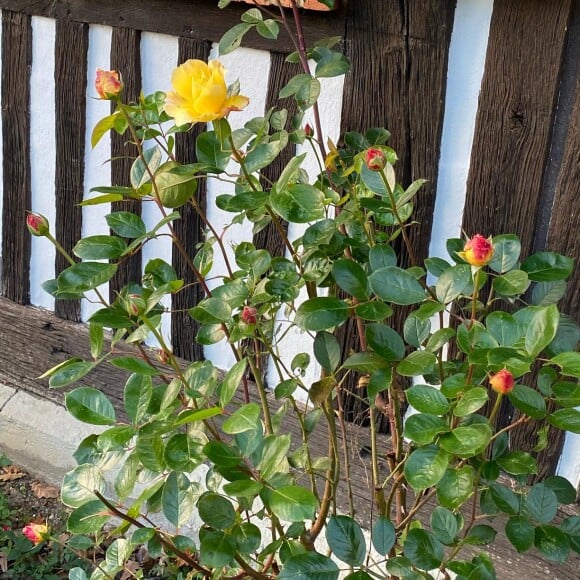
(42, 154)
(97, 166)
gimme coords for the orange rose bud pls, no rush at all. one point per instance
(502, 382)
(108, 84)
(249, 315)
(37, 224)
(478, 251)
(375, 159)
(36, 533)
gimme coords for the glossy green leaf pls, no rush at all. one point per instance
(520, 533)
(566, 419)
(423, 549)
(383, 535)
(512, 283)
(68, 372)
(91, 406)
(505, 499)
(564, 490)
(425, 467)
(327, 351)
(351, 278)
(365, 362)
(416, 330)
(217, 549)
(547, 267)
(471, 401)
(385, 341)
(453, 282)
(417, 363)
(85, 276)
(182, 453)
(518, 463)
(244, 419)
(298, 203)
(309, 566)
(211, 311)
(552, 543)
(455, 487)
(89, 518)
(79, 485)
(134, 365)
(569, 363)
(346, 540)
(126, 224)
(382, 256)
(216, 511)
(467, 441)
(396, 285)
(293, 503)
(444, 525)
(137, 396)
(423, 428)
(507, 249)
(528, 401)
(321, 313)
(99, 248)
(542, 503)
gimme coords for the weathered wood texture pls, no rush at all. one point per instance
(280, 73)
(16, 65)
(399, 56)
(190, 231)
(197, 19)
(513, 131)
(40, 340)
(70, 79)
(126, 58)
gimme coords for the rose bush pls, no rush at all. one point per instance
(487, 327)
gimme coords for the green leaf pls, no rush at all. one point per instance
(327, 351)
(90, 406)
(89, 518)
(216, 511)
(444, 525)
(548, 267)
(417, 363)
(529, 401)
(298, 203)
(80, 484)
(182, 453)
(546, 293)
(453, 282)
(365, 362)
(263, 155)
(309, 566)
(455, 487)
(269, 28)
(481, 535)
(134, 365)
(566, 419)
(221, 454)
(569, 363)
(423, 549)
(351, 278)
(518, 463)
(103, 126)
(520, 533)
(507, 249)
(346, 540)
(244, 419)
(427, 399)
(211, 311)
(472, 400)
(382, 256)
(85, 276)
(416, 330)
(542, 325)
(552, 543)
(425, 467)
(142, 167)
(511, 283)
(563, 489)
(423, 428)
(194, 415)
(126, 224)
(503, 327)
(321, 313)
(396, 285)
(330, 63)
(217, 549)
(178, 500)
(100, 248)
(233, 38)
(151, 452)
(383, 535)
(274, 455)
(439, 339)
(293, 503)
(96, 338)
(68, 372)
(571, 526)
(467, 441)
(137, 396)
(385, 341)
(208, 150)
(231, 381)
(505, 499)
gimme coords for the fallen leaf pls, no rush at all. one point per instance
(40, 490)
(10, 473)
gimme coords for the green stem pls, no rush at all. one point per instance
(262, 393)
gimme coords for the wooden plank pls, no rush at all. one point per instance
(190, 231)
(196, 19)
(126, 58)
(16, 65)
(40, 340)
(400, 85)
(280, 73)
(515, 117)
(70, 93)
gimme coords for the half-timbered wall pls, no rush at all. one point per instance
(481, 98)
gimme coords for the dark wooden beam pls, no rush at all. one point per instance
(16, 65)
(190, 231)
(196, 19)
(126, 58)
(70, 76)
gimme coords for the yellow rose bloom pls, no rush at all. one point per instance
(200, 93)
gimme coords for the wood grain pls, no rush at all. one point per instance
(72, 43)
(125, 58)
(190, 231)
(399, 56)
(197, 19)
(16, 65)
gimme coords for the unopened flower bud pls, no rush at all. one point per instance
(162, 356)
(134, 304)
(36, 533)
(375, 159)
(249, 315)
(502, 382)
(308, 130)
(108, 84)
(478, 251)
(37, 224)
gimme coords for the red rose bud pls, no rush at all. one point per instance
(308, 130)
(108, 84)
(37, 224)
(502, 382)
(375, 159)
(249, 315)
(478, 251)
(36, 533)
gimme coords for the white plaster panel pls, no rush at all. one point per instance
(42, 154)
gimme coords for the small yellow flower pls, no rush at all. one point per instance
(200, 93)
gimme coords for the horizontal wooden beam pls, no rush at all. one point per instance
(197, 19)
